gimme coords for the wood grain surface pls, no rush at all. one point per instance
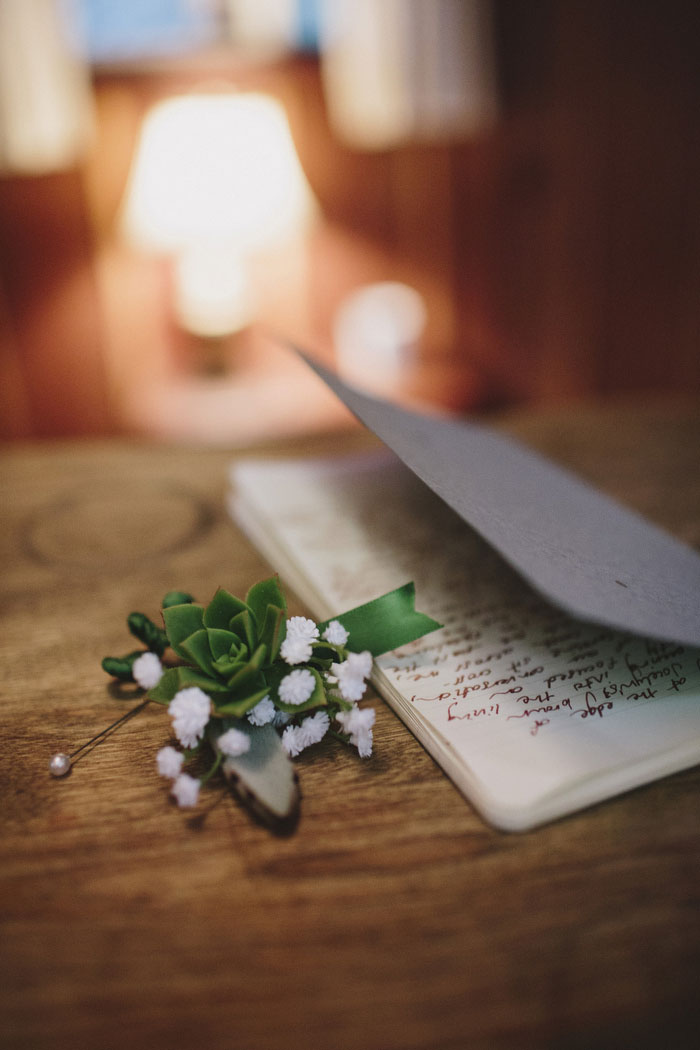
(394, 918)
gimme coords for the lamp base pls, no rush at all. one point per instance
(212, 294)
(211, 355)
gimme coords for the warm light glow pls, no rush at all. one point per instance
(377, 333)
(46, 105)
(212, 294)
(216, 167)
(216, 178)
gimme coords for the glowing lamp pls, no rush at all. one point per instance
(215, 180)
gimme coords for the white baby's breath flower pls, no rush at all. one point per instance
(302, 627)
(280, 719)
(189, 710)
(291, 741)
(360, 663)
(295, 650)
(169, 762)
(301, 634)
(351, 673)
(296, 687)
(233, 742)
(335, 633)
(186, 790)
(363, 742)
(147, 670)
(262, 713)
(358, 719)
(311, 730)
(351, 688)
(358, 723)
(314, 728)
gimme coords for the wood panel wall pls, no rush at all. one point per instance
(563, 248)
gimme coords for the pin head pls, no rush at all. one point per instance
(59, 765)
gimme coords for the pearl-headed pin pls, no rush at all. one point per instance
(61, 763)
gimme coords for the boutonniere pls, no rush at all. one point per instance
(248, 689)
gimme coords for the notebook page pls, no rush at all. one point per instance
(531, 712)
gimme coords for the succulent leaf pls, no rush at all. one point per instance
(167, 686)
(181, 621)
(220, 641)
(240, 707)
(193, 676)
(181, 677)
(198, 649)
(274, 630)
(226, 666)
(222, 609)
(266, 592)
(242, 624)
(250, 671)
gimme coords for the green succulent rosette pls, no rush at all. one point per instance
(230, 650)
(226, 647)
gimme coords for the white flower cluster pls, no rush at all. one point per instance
(296, 687)
(263, 713)
(233, 742)
(311, 730)
(335, 633)
(169, 762)
(185, 789)
(351, 674)
(147, 670)
(301, 635)
(298, 642)
(190, 710)
(348, 676)
(358, 725)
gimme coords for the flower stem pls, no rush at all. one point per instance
(217, 762)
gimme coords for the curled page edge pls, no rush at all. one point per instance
(583, 551)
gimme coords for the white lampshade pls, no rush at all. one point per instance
(46, 104)
(214, 167)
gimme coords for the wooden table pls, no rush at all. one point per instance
(394, 918)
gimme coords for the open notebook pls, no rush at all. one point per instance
(565, 672)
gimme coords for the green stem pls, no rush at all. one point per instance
(217, 762)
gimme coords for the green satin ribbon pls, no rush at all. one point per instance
(385, 623)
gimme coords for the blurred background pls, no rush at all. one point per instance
(468, 204)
